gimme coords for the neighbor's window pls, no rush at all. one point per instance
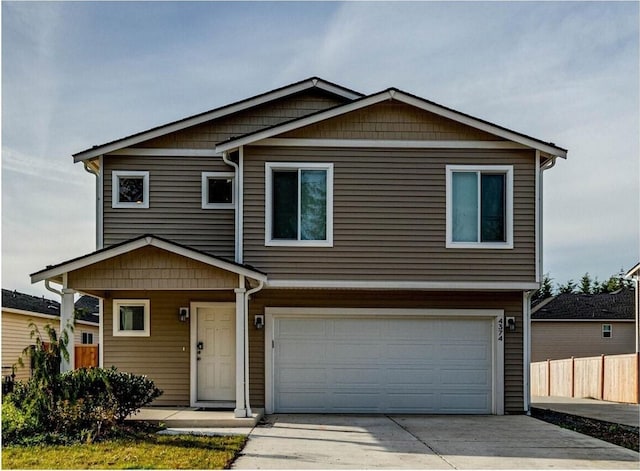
(479, 206)
(130, 189)
(299, 204)
(606, 331)
(87, 338)
(217, 190)
(131, 317)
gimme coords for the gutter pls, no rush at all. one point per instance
(94, 169)
(247, 295)
(526, 349)
(238, 204)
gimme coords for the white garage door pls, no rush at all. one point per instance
(383, 365)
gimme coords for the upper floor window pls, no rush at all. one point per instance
(479, 206)
(130, 189)
(606, 331)
(299, 204)
(217, 190)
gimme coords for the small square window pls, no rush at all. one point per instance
(217, 190)
(130, 189)
(131, 317)
(606, 331)
(87, 338)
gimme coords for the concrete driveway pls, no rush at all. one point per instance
(303, 441)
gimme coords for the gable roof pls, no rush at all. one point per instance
(634, 272)
(41, 305)
(56, 271)
(288, 90)
(619, 305)
(403, 97)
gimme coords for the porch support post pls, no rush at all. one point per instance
(66, 319)
(241, 408)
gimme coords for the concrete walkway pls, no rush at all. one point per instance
(194, 418)
(627, 414)
(305, 441)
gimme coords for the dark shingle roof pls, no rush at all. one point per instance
(619, 305)
(42, 305)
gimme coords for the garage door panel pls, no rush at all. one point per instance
(383, 365)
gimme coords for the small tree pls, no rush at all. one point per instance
(586, 285)
(46, 356)
(546, 289)
(568, 287)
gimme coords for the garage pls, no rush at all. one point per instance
(364, 363)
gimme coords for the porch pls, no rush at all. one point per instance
(195, 417)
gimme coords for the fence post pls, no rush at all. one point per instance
(573, 376)
(601, 385)
(548, 377)
(637, 377)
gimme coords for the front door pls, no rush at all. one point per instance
(216, 352)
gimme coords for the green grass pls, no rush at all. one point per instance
(149, 452)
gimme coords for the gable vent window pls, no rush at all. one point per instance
(130, 189)
(217, 190)
(479, 206)
(299, 204)
(606, 331)
(87, 338)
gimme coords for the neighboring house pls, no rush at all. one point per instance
(634, 274)
(19, 310)
(313, 249)
(583, 325)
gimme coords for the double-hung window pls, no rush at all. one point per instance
(479, 206)
(130, 189)
(299, 204)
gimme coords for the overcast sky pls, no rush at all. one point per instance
(79, 74)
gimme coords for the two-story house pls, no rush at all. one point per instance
(313, 249)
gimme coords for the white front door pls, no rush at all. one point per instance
(215, 345)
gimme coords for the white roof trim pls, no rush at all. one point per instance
(394, 284)
(214, 114)
(41, 315)
(404, 98)
(390, 143)
(137, 244)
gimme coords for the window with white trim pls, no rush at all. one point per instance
(87, 338)
(479, 206)
(218, 190)
(299, 204)
(130, 189)
(607, 331)
(131, 317)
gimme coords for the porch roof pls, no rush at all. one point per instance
(55, 272)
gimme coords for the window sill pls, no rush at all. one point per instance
(298, 243)
(480, 245)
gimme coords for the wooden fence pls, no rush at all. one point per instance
(86, 356)
(607, 377)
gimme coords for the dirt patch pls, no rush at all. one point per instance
(618, 434)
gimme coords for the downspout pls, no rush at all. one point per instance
(53, 290)
(237, 197)
(94, 170)
(246, 346)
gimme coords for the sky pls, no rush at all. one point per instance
(77, 74)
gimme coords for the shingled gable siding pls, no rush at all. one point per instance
(164, 356)
(391, 120)
(151, 268)
(207, 135)
(389, 217)
(510, 302)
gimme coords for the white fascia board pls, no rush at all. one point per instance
(215, 262)
(140, 243)
(162, 152)
(602, 321)
(403, 144)
(482, 126)
(215, 114)
(40, 315)
(410, 285)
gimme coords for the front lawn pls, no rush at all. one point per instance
(149, 452)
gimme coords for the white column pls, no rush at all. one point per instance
(66, 319)
(241, 409)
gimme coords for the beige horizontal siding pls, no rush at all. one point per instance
(390, 219)
(164, 356)
(511, 303)
(151, 268)
(391, 120)
(207, 135)
(175, 198)
(557, 340)
(16, 336)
